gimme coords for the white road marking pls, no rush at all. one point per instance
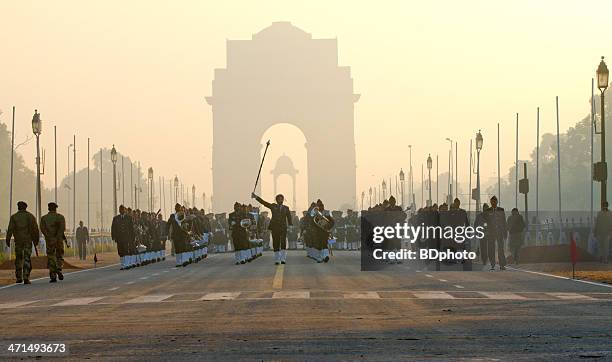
(502, 295)
(115, 288)
(433, 295)
(155, 274)
(65, 274)
(15, 304)
(221, 296)
(132, 282)
(277, 283)
(144, 278)
(166, 271)
(429, 275)
(362, 295)
(149, 298)
(291, 295)
(423, 295)
(459, 286)
(443, 280)
(572, 296)
(77, 301)
(560, 277)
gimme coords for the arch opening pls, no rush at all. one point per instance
(287, 162)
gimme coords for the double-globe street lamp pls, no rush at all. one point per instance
(601, 170)
(150, 177)
(384, 191)
(429, 166)
(113, 154)
(193, 190)
(176, 185)
(479, 142)
(402, 178)
(37, 130)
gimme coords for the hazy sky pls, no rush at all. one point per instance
(135, 73)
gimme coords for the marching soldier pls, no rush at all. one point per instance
(281, 218)
(496, 233)
(82, 238)
(321, 235)
(239, 234)
(306, 231)
(179, 236)
(23, 227)
(53, 226)
(122, 232)
(458, 217)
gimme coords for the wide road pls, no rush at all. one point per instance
(304, 310)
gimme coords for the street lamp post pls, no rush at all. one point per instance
(370, 193)
(176, 185)
(193, 190)
(114, 161)
(150, 176)
(362, 196)
(601, 169)
(384, 190)
(411, 193)
(479, 142)
(450, 172)
(401, 176)
(429, 165)
(37, 130)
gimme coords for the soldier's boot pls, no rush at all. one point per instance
(60, 276)
(53, 278)
(27, 281)
(18, 272)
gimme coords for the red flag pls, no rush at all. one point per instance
(573, 249)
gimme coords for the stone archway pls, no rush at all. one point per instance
(282, 75)
(284, 166)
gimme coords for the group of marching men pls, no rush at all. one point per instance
(315, 227)
(141, 236)
(245, 231)
(189, 229)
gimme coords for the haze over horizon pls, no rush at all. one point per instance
(135, 75)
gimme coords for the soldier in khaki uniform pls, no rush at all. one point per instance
(53, 226)
(23, 227)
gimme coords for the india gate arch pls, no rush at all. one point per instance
(283, 75)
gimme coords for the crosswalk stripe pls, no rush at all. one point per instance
(291, 295)
(362, 295)
(433, 295)
(277, 283)
(503, 295)
(570, 296)
(299, 294)
(149, 298)
(221, 296)
(77, 301)
(16, 304)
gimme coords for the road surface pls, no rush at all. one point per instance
(309, 311)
